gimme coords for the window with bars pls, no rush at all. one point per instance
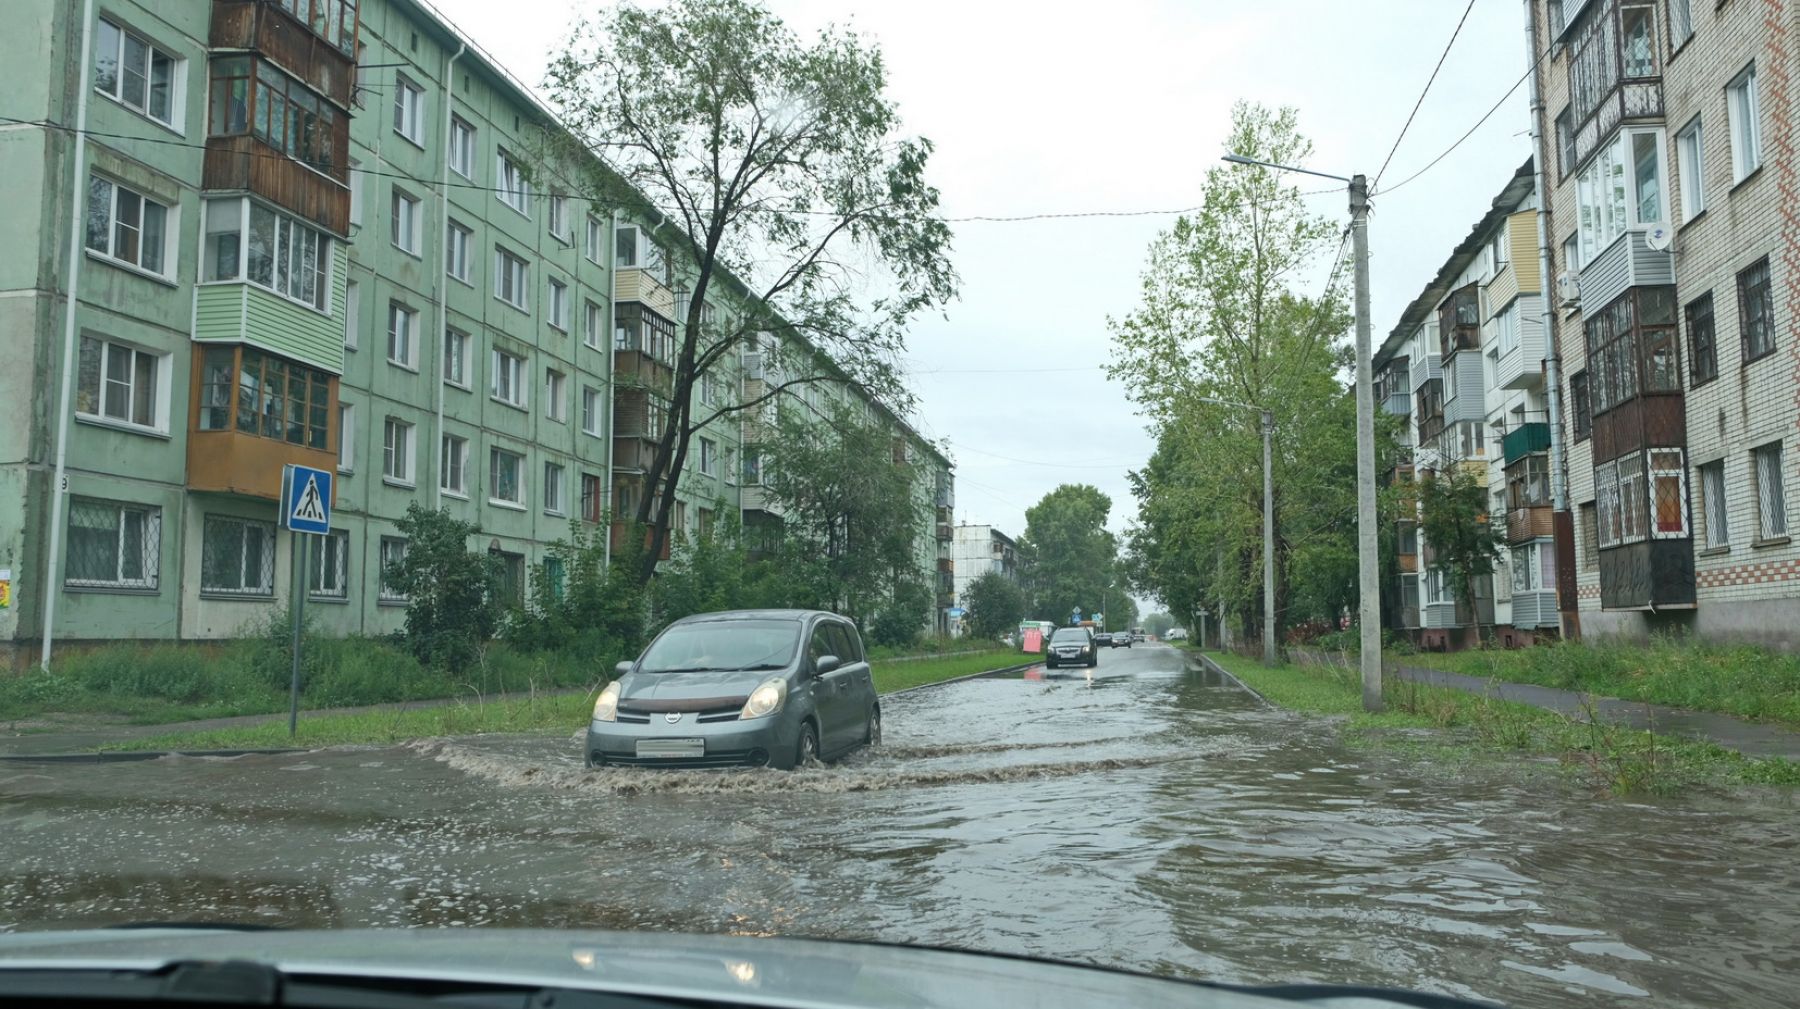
(1771, 491)
(237, 557)
(112, 545)
(328, 565)
(1668, 494)
(392, 553)
(1756, 311)
(1715, 505)
(1703, 351)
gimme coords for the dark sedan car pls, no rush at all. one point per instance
(1102, 639)
(1121, 639)
(1071, 646)
(740, 689)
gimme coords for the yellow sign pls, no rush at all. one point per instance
(5, 595)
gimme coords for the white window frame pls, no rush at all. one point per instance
(217, 524)
(514, 271)
(397, 450)
(593, 331)
(1690, 161)
(496, 457)
(1743, 116)
(510, 184)
(453, 466)
(1679, 471)
(352, 314)
(406, 221)
(330, 554)
(1771, 507)
(553, 488)
(1606, 505)
(1634, 498)
(157, 390)
(239, 217)
(461, 153)
(390, 551)
(709, 457)
(403, 333)
(149, 520)
(177, 86)
(558, 311)
(1525, 562)
(456, 358)
(1600, 223)
(409, 110)
(171, 226)
(506, 378)
(456, 251)
(346, 437)
(556, 389)
(590, 410)
(560, 228)
(1715, 504)
(596, 240)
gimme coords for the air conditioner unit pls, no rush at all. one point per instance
(1568, 288)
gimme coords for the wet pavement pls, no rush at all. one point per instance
(1148, 818)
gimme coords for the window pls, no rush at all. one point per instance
(1621, 491)
(397, 451)
(257, 98)
(505, 485)
(1771, 492)
(356, 193)
(328, 565)
(1497, 250)
(1756, 311)
(1631, 348)
(462, 148)
(1690, 161)
(1668, 494)
(554, 577)
(511, 280)
(1639, 50)
(1565, 143)
(1621, 187)
(1527, 569)
(246, 240)
(1647, 177)
(555, 386)
(514, 188)
(1714, 504)
(594, 247)
(237, 557)
(127, 226)
(112, 545)
(507, 382)
(645, 331)
(456, 252)
(135, 73)
(409, 110)
(705, 526)
(453, 465)
(559, 305)
(625, 251)
(274, 397)
(406, 221)
(593, 321)
(392, 555)
(1506, 329)
(119, 383)
(403, 335)
(590, 410)
(346, 437)
(352, 313)
(456, 357)
(1703, 351)
(1527, 484)
(1590, 535)
(753, 469)
(559, 219)
(593, 497)
(509, 581)
(709, 457)
(679, 524)
(730, 468)
(1741, 111)
(1681, 22)
(553, 488)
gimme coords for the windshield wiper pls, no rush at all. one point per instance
(721, 669)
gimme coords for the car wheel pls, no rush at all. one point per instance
(806, 752)
(872, 735)
(1095, 661)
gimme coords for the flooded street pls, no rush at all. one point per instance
(1149, 818)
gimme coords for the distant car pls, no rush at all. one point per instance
(1121, 639)
(1071, 646)
(1103, 638)
(748, 688)
(1137, 635)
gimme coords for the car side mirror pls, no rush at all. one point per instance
(825, 664)
(622, 668)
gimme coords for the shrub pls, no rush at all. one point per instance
(449, 588)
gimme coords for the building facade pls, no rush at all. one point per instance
(979, 550)
(326, 232)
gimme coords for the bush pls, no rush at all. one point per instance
(449, 588)
(902, 620)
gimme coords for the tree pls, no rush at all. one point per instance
(1454, 525)
(996, 604)
(449, 588)
(1158, 624)
(779, 168)
(1222, 317)
(1071, 560)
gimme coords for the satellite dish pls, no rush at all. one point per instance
(1659, 238)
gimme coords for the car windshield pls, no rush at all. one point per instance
(1069, 636)
(719, 645)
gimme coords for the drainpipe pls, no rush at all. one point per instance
(612, 307)
(52, 587)
(443, 285)
(1564, 520)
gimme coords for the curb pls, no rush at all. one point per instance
(128, 756)
(1212, 666)
(959, 679)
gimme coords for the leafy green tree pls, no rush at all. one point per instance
(1455, 527)
(1071, 560)
(903, 616)
(780, 167)
(1225, 314)
(450, 589)
(1158, 624)
(996, 604)
(578, 603)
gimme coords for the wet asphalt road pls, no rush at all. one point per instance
(1148, 817)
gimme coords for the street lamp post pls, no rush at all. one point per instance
(1268, 440)
(1368, 573)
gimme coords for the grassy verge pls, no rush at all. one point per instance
(560, 712)
(1621, 759)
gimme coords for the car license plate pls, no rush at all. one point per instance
(671, 748)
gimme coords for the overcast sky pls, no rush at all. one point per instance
(1122, 106)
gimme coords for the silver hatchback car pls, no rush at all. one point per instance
(745, 688)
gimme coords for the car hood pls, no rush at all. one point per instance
(645, 691)
(738, 969)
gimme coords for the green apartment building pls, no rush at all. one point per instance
(318, 232)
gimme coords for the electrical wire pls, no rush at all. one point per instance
(1478, 123)
(1427, 90)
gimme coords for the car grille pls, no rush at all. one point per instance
(720, 714)
(632, 717)
(715, 758)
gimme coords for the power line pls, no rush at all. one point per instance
(1427, 90)
(1471, 131)
(1035, 462)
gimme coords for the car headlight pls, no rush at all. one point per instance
(606, 706)
(1085, 649)
(765, 699)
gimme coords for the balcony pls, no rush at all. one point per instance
(944, 531)
(640, 285)
(1426, 368)
(323, 59)
(1525, 439)
(1459, 321)
(639, 370)
(1529, 523)
(633, 454)
(250, 414)
(620, 536)
(1407, 563)
(244, 163)
(1612, 70)
(946, 566)
(1627, 263)
(1520, 364)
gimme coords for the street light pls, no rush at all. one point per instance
(1268, 435)
(1368, 574)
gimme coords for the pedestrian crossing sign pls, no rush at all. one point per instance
(306, 499)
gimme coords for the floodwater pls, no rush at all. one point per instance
(1148, 817)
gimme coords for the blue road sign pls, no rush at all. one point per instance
(306, 499)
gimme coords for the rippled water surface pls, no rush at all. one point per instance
(1147, 818)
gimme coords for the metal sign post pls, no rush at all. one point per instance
(305, 511)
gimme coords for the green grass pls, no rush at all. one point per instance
(1470, 725)
(561, 712)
